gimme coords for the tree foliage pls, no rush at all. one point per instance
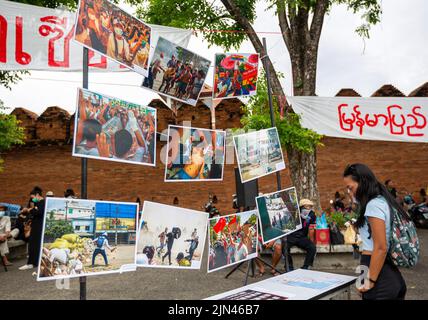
(290, 131)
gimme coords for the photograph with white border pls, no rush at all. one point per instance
(87, 237)
(279, 214)
(112, 32)
(235, 75)
(171, 237)
(176, 72)
(258, 153)
(112, 129)
(194, 154)
(232, 239)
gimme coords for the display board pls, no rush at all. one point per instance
(86, 238)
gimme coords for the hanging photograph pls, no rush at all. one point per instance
(87, 237)
(176, 72)
(108, 128)
(235, 75)
(258, 153)
(232, 239)
(171, 237)
(279, 214)
(194, 154)
(105, 28)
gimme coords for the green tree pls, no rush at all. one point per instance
(301, 23)
(10, 132)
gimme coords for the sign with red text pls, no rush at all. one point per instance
(380, 118)
(38, 38)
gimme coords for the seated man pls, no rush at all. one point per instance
(5, 234)
(276, 247)
(300, 238)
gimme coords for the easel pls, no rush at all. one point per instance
(278, 181)
(84, 166)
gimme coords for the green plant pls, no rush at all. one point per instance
(57, 228)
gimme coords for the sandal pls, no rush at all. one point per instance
(260, 274)
(274, 273)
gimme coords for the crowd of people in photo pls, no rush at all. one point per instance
(107, 128)
(113, 32)
(180, 79)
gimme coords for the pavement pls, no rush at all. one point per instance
(152, 283)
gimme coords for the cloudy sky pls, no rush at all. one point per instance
(396, 53)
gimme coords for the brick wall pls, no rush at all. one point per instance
(51, 165)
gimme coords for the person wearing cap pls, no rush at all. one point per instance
(101, 242)
(50, 194)
(300, 238)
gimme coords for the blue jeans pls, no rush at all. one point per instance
(101, 252)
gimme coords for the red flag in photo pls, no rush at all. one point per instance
(233, 220)
(219, 226)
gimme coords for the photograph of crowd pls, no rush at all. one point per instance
(105, 28)
(107, 128)
(233, 239)
(279, 214)
(87, 237)
(194, 154)
(235, 75)
(176, 72)
(171, 237)
(258, 153)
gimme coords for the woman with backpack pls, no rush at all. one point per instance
(376, 208)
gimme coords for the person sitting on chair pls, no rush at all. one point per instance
(300, 238)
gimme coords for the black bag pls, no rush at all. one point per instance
(336, 237)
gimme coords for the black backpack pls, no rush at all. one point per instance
(336, 237)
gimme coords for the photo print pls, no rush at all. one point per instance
(176, 72)
(108, 128)
(235, 75)
(232, 239)
(194, 154)
(87, 237)
(171, 237)
(279, 214)
(258, 153)
(105, 28)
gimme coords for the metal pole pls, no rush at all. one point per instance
(272, 120)
(84, 167)
(272, 116)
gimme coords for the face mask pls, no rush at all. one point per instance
(35, 200)
(2, 214)
(118, 31)
(304, 213)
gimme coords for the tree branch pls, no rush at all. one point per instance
(318, 21)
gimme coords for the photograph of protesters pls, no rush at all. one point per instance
(279, 214)
(173, 232)
(235, 75)
(195, 154)
(111, 129)
(233, 239)
(107, 29)
(80, 237)
(176, 72)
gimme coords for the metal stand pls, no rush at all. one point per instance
(252, 267)
(84, 167)
(272, 120)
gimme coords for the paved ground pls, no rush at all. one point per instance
(166, 284)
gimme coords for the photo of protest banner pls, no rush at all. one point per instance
(87, 237)
(176, 72)
(171, 237)
(258, 154)
(279, 214)
(105, 28)
(235, 75)
(194, 154)
(108, 128)
(233, 239)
